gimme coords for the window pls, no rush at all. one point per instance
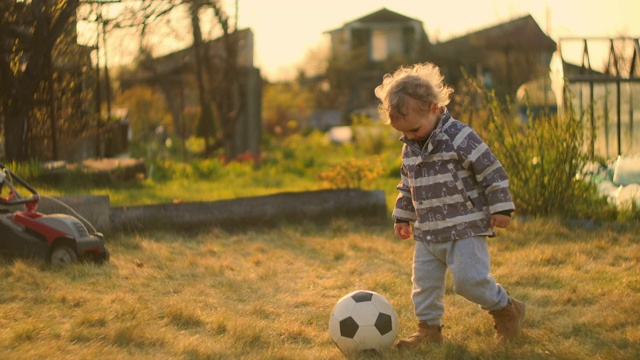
(385, 43)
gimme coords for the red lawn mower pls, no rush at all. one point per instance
(57, 238)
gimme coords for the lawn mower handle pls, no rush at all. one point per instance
(19, 200)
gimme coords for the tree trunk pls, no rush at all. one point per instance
(52, 111)
(228, 96)
(15, 131)
(205, 106)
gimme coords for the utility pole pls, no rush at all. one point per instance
(106, 68)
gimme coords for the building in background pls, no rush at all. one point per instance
(504, 56)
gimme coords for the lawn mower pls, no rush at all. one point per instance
(59, 239)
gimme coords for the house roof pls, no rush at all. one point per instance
(575, 69)
(521, 34)
(383, 15)
(177, 62)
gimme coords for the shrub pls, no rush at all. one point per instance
(351, 173)
(296, 154)
(373, 138)
(543, 157)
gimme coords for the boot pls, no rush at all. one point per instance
(508, 319)
(426, 334)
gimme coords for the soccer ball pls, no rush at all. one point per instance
(363, 320)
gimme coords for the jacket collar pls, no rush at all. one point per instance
(429, 144)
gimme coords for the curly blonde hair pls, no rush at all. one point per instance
(422, 82)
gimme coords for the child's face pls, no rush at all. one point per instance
(417, 124)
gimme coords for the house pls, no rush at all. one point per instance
(365, 49)
(506, 55)
(382, 35)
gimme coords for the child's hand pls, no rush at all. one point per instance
(499, 220)
(403, 230)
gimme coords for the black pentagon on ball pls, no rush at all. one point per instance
(362, 296)
(348, 327)
(383, 323)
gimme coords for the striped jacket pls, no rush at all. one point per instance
(451, 186)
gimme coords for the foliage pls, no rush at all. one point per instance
(165, 170)
(352, 76)
(542, 156)
(146, 113)
(37, 37)
(351, 173)
(298, 154)
(285, 106)
(373, 138)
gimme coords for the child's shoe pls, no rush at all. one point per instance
(508, 320)
(425, 334)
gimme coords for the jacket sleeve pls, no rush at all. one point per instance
(404, 210)
(488, 171)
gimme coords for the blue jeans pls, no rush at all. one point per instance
(468, 261)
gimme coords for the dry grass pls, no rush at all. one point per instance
(268, 294)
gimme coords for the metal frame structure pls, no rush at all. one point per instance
(617, 71)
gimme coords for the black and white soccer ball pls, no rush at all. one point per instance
(363, 320)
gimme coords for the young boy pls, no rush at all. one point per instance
(455, 192)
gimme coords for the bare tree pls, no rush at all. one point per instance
(29, 95)
(227, 94)
(214, 68)
(204, 91)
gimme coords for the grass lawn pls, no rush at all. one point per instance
(268, 294)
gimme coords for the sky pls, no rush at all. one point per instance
(286, 30)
